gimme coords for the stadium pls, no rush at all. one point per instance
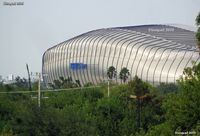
(155, 53)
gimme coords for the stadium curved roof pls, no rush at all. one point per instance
(155, 53)
(175, 33)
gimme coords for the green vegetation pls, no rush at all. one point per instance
(89, 111)
(64, 83)
(198, 31)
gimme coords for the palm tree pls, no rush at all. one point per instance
(111, 72)
(124, 74)
(198, 31)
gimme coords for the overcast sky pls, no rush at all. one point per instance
(28, 30)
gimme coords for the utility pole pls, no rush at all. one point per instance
(139, 113)
(139, 107)
(39, 92)
(108, 88)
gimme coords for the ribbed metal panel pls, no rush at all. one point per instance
(155, 53)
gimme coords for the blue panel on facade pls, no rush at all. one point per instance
(78, 66)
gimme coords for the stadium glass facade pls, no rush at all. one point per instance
(155, 53)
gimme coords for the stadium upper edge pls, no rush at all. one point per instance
(155, 53)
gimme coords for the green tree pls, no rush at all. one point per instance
(88, 84)
(182, 109)
(21, 82)
(62, 83)
(138, 87)
(163, 129)
(109, 116)
(6, 132)
(68, 82)
(111, 72)
(198, 31)
(148, 103)
(57, 84)
(9, 87)
(124, 74)
(167, 88)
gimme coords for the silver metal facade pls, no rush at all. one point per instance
(155, 53)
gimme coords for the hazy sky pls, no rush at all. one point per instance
(27, 31)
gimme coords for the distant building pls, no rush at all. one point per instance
(11, 77)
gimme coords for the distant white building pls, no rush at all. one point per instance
(11, 77)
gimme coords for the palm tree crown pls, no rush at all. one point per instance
(111, 72)
(124, 73)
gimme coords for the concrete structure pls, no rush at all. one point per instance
(155, 53)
